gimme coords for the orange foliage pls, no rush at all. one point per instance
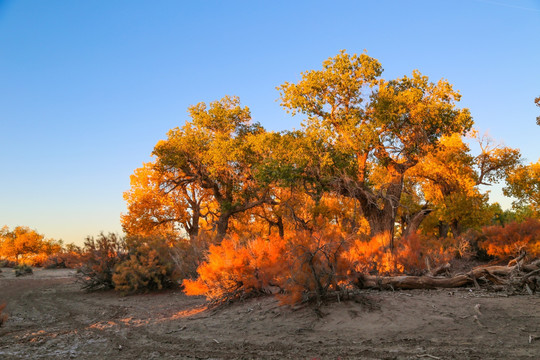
(70, 257)
(235, 269)
(316, 265)
(512, 239)
(305, 265)
(409, 256)
(414, 250)
(371, 256)
(26, 246)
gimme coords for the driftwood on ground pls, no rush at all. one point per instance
(516, 276)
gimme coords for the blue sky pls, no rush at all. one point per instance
(88, 88)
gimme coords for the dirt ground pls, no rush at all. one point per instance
(51, 318)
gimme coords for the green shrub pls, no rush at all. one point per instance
(22, 270)
(150, 266)
(7, 263)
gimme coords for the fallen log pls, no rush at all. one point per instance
(445, 268)
(495, 274)
(412, 282)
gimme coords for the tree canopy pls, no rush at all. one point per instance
(373, 156)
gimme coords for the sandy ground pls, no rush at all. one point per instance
(51, 318)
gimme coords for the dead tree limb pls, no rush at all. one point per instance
(517, 275)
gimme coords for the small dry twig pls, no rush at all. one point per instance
(429, 356)
(477, 309)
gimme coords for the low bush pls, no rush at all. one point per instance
(100, 257)
(69, 257)
(237, 268)
(150, 266)
(301, 267)
(54, 262)
(512, 239)
(315, 265)
(412, 255)
(7, 263)
(22, 270)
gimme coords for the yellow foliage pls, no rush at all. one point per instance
(26, 246)
(150, 266)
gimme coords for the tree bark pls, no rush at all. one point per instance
(443, 229)
(417, 219)
(281, 228)
(412, 282)
(455, 226)
(222, 226)
(494, 274)
(382, 220)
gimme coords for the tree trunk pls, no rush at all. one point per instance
(193, 228)
(382, 221)
(222, 226)
(380, 208)
(443, 229)
(455, 226)
(381, 224)
(417, 219)
(280, 226)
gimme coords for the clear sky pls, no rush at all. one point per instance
(87, 88)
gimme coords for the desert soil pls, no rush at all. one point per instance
(51, 318)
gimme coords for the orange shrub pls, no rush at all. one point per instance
(415, 250)
(305, 265)
(235, 269)
(512, 239)
(64, 260)
(370, 256)
(316, 265)
(409, 255)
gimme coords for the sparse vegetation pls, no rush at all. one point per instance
(22, 270)
(7, 263)
(100, 257)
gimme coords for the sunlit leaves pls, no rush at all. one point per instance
(524, 184)
(25, 245)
